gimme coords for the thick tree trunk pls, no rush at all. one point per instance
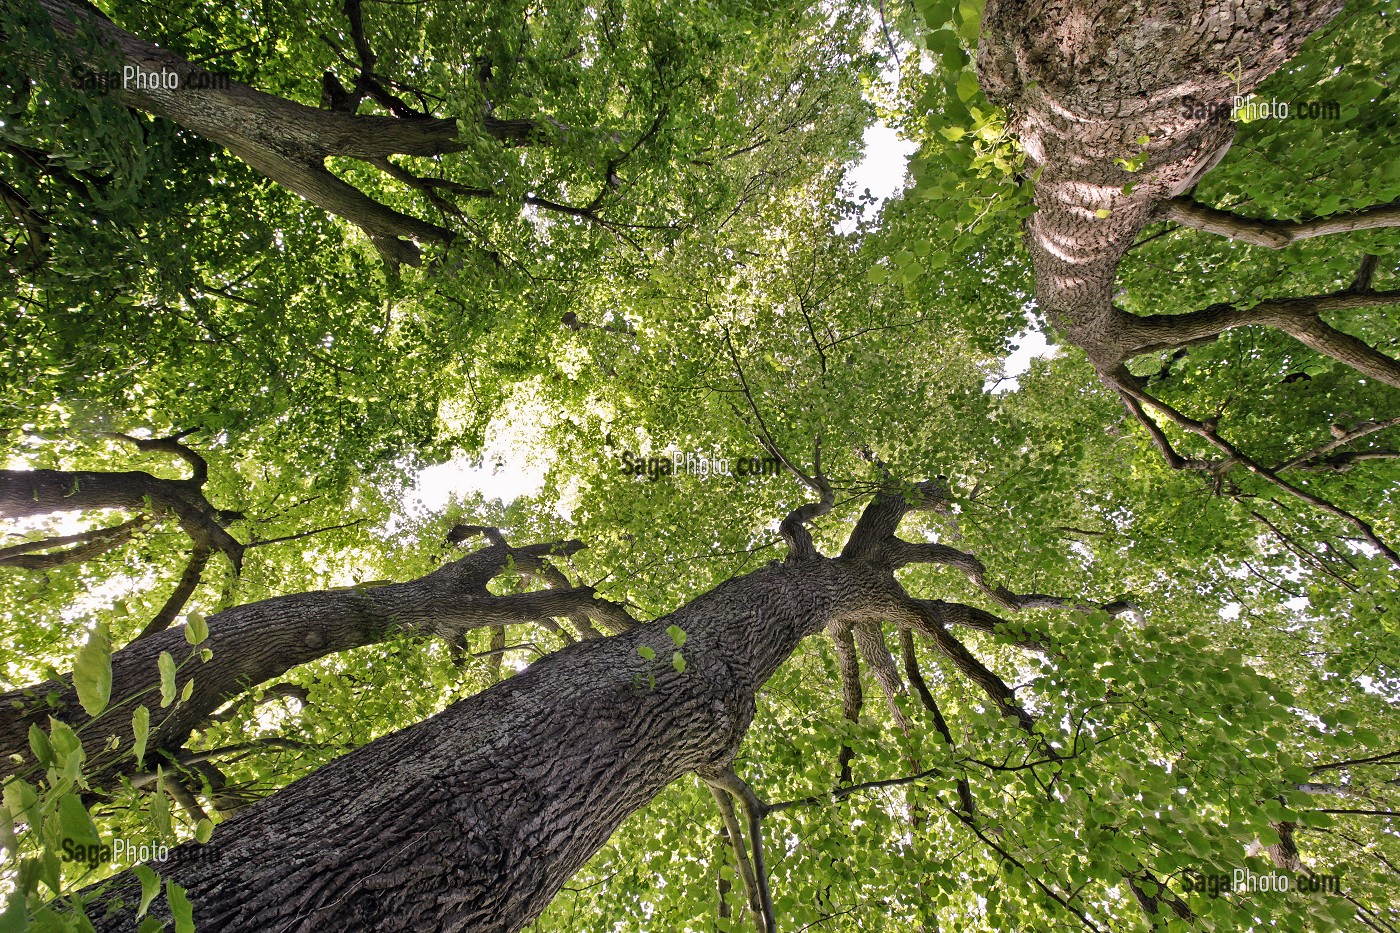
(474, 819)
(1082, 82)
(259, 641)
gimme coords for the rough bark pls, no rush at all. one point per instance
(473, 820)
(85, 545)
(1082, 80)
(256, 642)
(1089, 83)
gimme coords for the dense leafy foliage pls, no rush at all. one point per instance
(721, 292)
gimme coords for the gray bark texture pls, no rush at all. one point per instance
(257, 642)
(474, 819)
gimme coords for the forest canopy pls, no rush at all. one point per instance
(496, 466)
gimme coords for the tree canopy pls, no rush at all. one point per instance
(823, 608)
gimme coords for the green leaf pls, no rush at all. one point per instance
(20, 798)
(66, 744)
(968, 88)
(187, 691)
(160, 806)
(167, 679)
(678, 662)
(203, 830)
(92, 671)
(75, 823)
(196, 629)
(39, 744)
(141, 732)
(646, 652)
(677, 635)
(15, 919)
(181, 910)
(150, 887)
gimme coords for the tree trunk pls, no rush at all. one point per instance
(1082, 82)
(256, 642)
(475, 818)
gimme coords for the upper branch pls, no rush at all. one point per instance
(531, 561)
(25, 493)
(1275, 234)
(931, 617)
(199, 467)
(1300, 318)
(874, 535)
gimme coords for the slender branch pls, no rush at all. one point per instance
(1175, 460)
(1276, 234)
(755, 810)
(792, 528)
(530, 562)
(1352, 762)
(1341, 437)
(1363, 812)
(199, 467)
(303, 534)
(277, 691)
(852, 697)
(1124, 381)
(184, 589)
(903, 553)
(90, 544)
(931, 617)
(182, 795)
(735, 836)
(1008, 857)
(916, 678)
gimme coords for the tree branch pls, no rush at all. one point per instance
(755, 810)
(1300, 318)
(1127, 383)
(916, 678)
(89, 543)
(1341, 437)
(1276, 234)
(184, 589)
(931, 617)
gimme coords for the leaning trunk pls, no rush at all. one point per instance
(474, 819)
(1088, 84)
